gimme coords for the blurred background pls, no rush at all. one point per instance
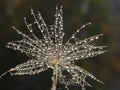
(105, 18)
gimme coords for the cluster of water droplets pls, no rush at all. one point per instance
(51, 51)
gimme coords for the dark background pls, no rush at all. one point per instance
(105, 18)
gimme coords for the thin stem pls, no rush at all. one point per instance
(54, 77)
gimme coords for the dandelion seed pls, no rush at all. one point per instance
(51, 52)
